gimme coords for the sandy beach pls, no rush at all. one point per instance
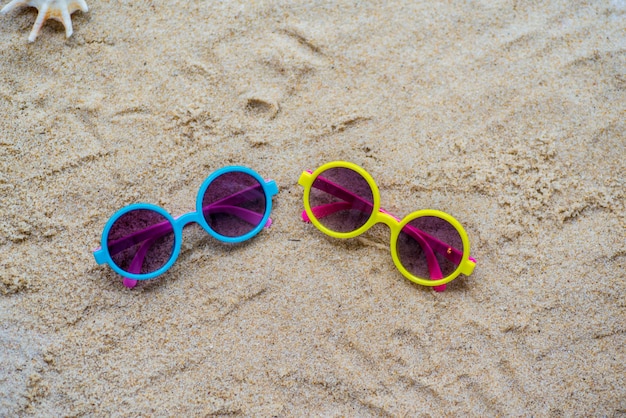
(510, 116)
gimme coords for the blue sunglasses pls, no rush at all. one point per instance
(142, 241)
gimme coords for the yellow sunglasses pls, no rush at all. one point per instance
(429, 247)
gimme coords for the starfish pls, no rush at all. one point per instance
(59, 10)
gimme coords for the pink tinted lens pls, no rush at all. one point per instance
(430, 247)
(141, 241)
(234, 204)
(341, 199)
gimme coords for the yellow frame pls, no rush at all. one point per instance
(466, 266)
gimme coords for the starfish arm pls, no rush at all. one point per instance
(41, 19)
(82, 5)
(13, 5)
(67, 22)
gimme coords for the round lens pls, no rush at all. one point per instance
(141, 241)
(341, 199)
(234, 204)
(430, 247)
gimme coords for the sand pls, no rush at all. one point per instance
(508, 115)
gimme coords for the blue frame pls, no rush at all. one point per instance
(102, 255)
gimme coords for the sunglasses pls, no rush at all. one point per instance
(142, 241)
(429, 247)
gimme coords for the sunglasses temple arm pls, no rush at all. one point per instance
(135, 265)
(326, 210)
(329, 187)
(151, 233)
(239, 197)
(454, 255)
(431, 260)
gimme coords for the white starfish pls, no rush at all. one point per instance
(59, 10)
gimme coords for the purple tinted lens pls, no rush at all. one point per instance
(234, 204)
(341, 199)
(428, 245)
(141, 241)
